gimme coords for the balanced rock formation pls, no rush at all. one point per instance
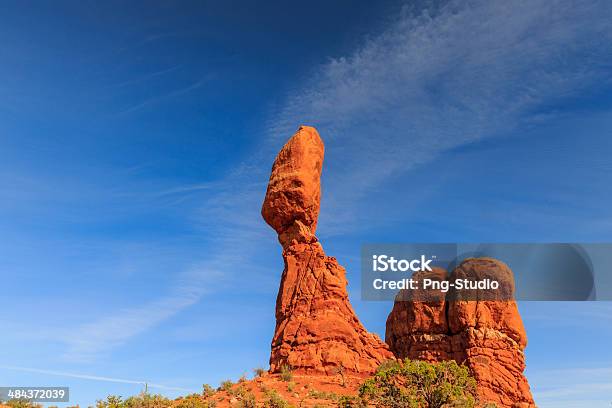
(317, 330)
(485, 334)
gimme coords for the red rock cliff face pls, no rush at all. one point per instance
(487, 335)
(317, 330)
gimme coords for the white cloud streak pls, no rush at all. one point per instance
(572, 387)
(93, 377)
(442, 77)
(89, 341)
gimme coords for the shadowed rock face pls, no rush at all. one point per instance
(487, 335)
(418, 329)
(317, 330)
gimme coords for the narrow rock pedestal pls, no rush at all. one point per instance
(317, 331)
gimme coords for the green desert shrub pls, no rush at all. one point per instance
(226, 385)
(322, 395)
(21, 403)
(111, 401)
(286, 374)
(347, 401)
(142, 400)
(193, 401)
(238, 391)
(207, 391)
(290, 386)
(247, 401)
(387, 364)
(418, 384)
(274, 400)
(340, 370)
(259, 372)
(146, 400)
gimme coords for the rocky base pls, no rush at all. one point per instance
(299, 391)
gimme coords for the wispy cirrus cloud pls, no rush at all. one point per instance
(568, 315)
(572, 387)
(148, 76)
(173, 93)
(89, 341)
(442, 76)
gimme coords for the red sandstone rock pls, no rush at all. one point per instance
(317, 330)
(417, 326)
(502, 316)
(491, 335)
(486, 335)
(294, 189)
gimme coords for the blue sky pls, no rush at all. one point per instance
(136, 141)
